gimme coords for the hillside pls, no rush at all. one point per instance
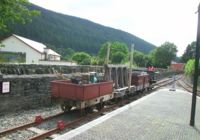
(61, 31)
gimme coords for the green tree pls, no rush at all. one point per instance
(140, 59)
(117, 49)
(94, 60)
(101, 61)
(118, 57)
(82, 58)
(163, 55)
(189, 67)
(147, 61)
(189, 52)
(1, 45)
(13, 11)
(69, 54)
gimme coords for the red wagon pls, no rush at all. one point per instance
(140, 80)
(81, 95)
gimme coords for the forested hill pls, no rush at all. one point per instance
(63, 31)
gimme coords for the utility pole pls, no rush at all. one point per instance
(130, 66)
(108, 53)
(196, 73)
(107, 73)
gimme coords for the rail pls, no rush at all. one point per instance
(187, 87)
(38, 120)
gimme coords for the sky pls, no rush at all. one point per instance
(155, 21)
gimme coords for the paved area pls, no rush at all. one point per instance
(162, 115)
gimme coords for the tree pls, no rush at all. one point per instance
(13, 11)
(1, 45)
(94, 60)
(118, 57)
(140, 59)
(163, 55)
(82, 58)
(69, 54)
(189, 52)
(117, 49)
(189, 67)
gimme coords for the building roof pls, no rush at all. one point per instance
(35, 45)
(50, 51)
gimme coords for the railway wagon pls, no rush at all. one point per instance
(81, 95)
(87, 95)
(140, 80)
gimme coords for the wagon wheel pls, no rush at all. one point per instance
(89, 109)
(66, 108)
(82, 112)
(99, 106)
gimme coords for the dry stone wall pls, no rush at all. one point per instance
(26, 92)
(24, 69)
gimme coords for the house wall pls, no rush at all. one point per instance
(53, 57)
(42, 57)
(50, 56)
(12, 44)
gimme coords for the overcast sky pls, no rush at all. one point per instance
(155, 21)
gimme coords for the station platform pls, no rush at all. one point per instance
(162, 115)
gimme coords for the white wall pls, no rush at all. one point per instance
(12, 44)
(53, 57)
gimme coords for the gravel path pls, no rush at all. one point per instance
(21, 117)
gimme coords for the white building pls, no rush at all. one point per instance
(35, 51)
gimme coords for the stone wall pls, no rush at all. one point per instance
(26, 92)
(24, 69)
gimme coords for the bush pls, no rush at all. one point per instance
(189, 67)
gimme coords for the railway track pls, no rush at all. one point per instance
(187, 86)
(167, 81)
(38, 120)
(61, 125)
